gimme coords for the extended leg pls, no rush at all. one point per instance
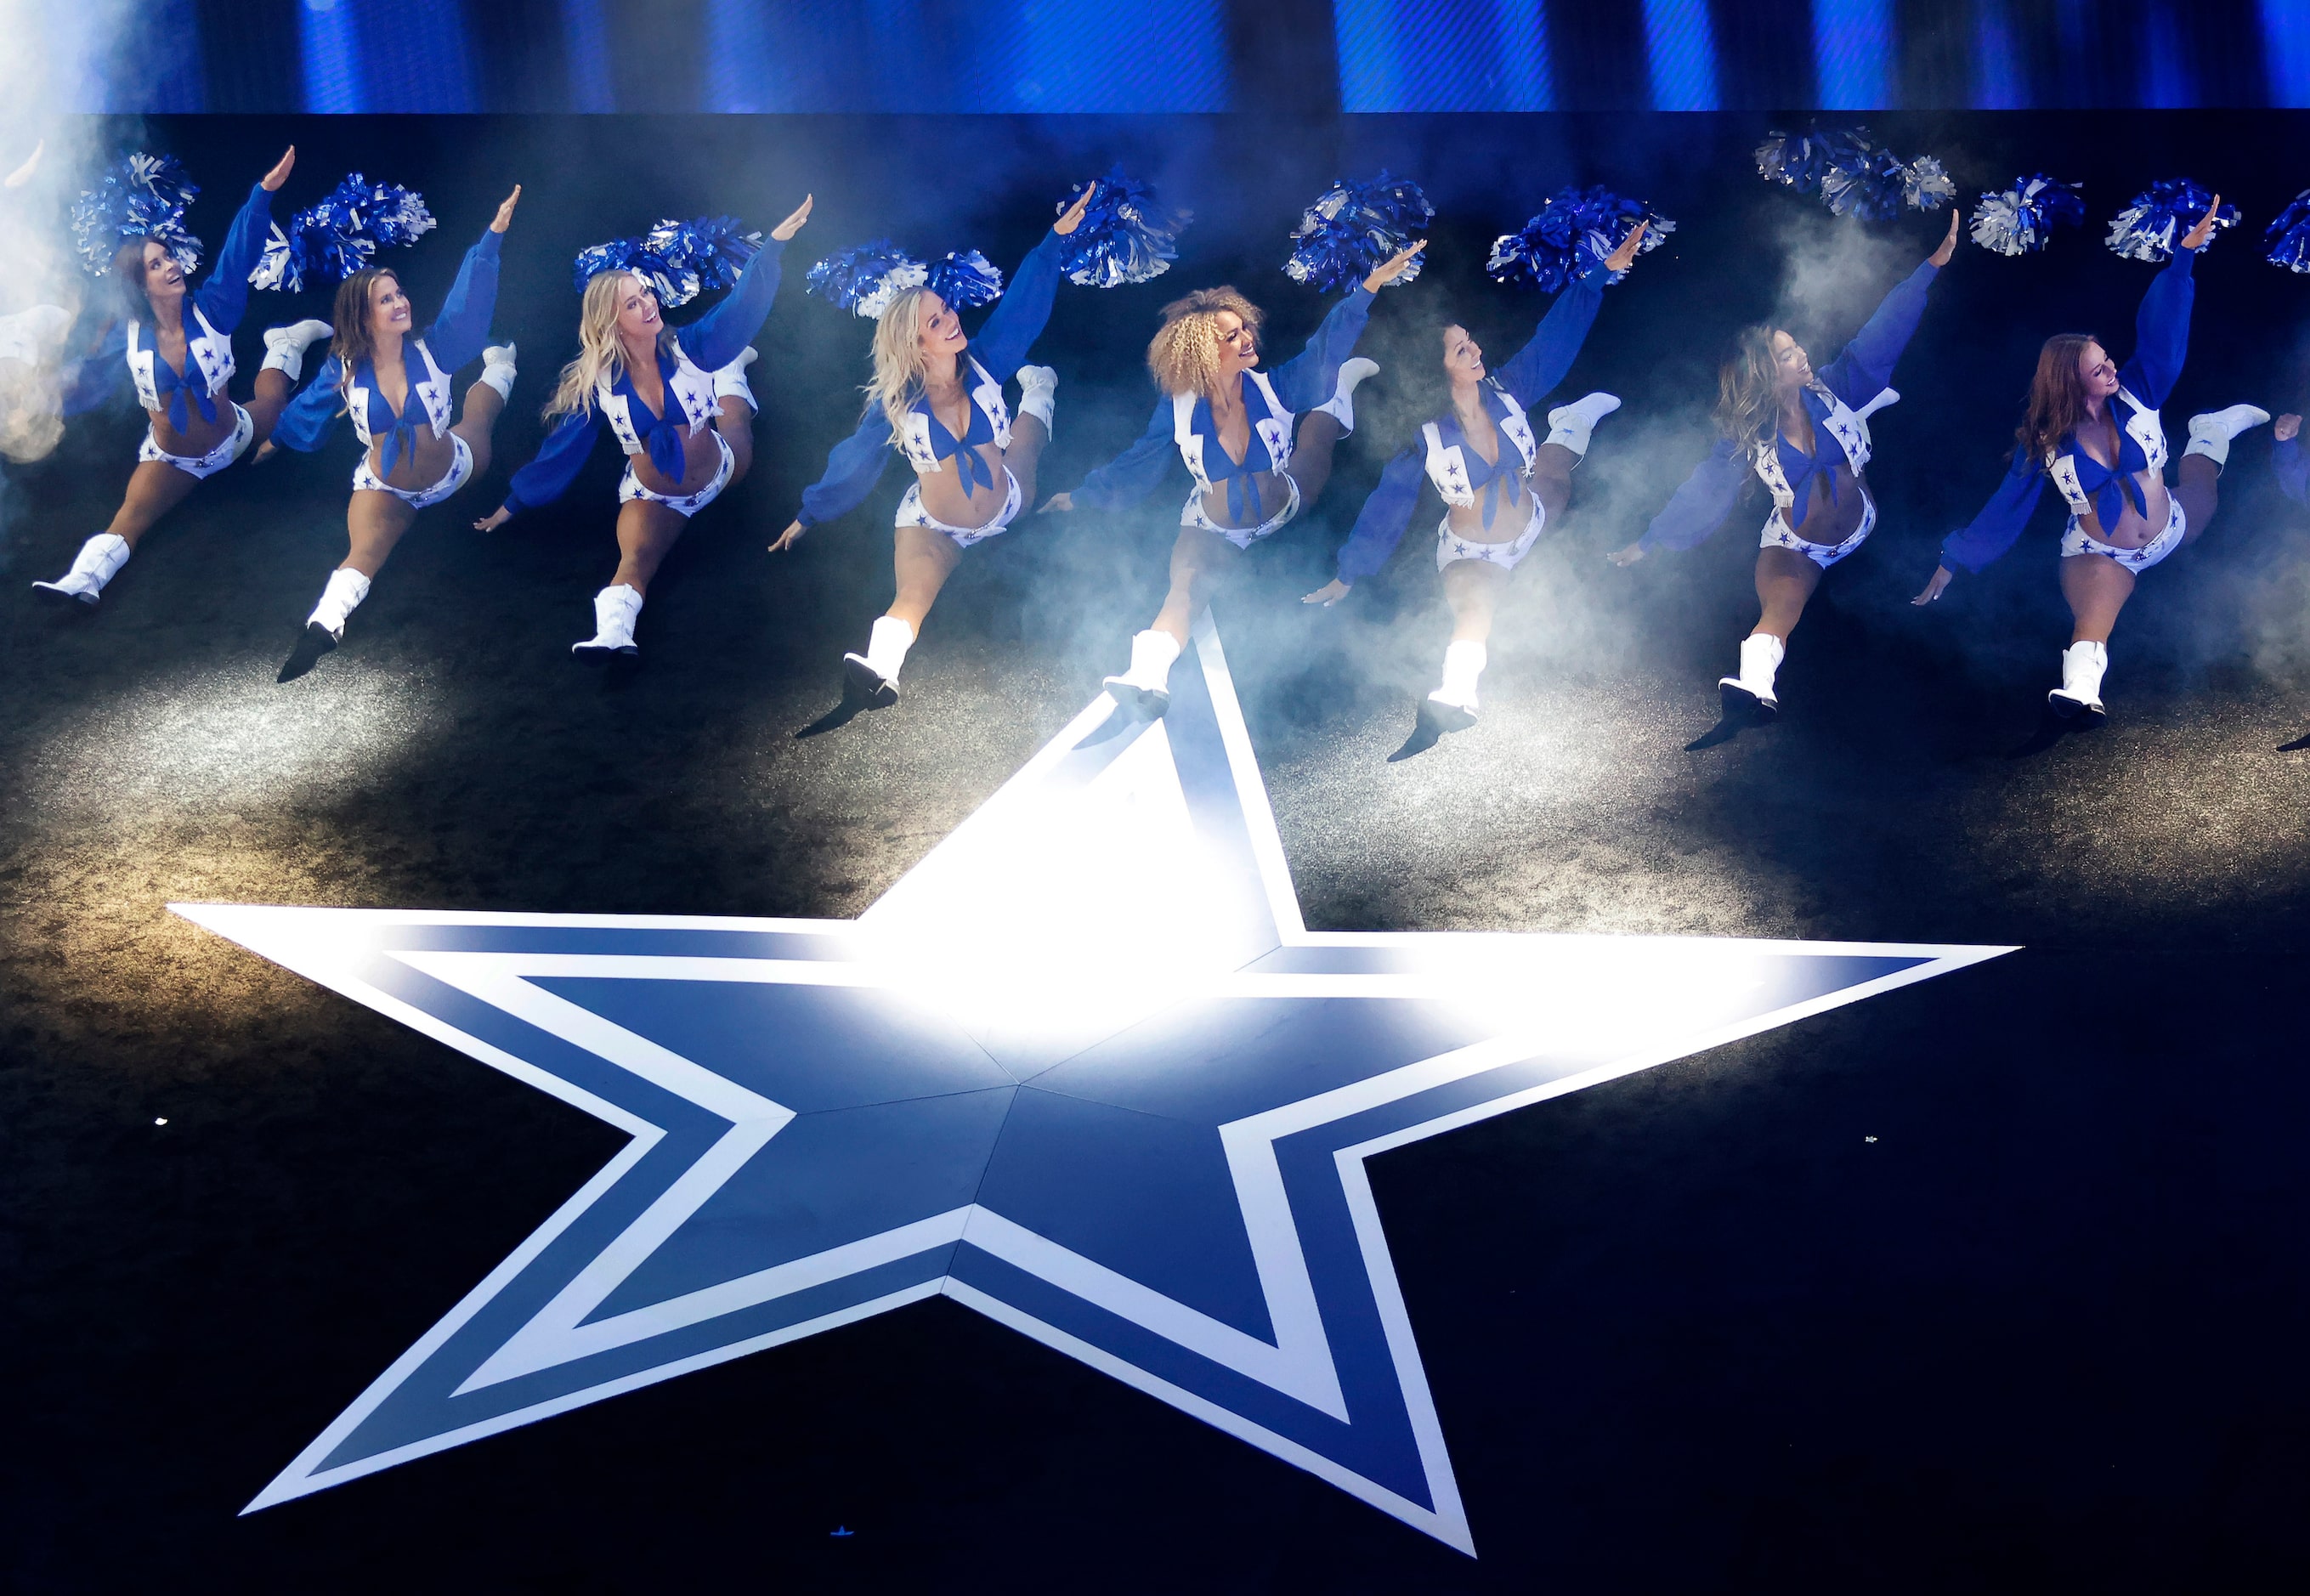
(154, 489)
(1311, 456)
(921, 560)
(485, 402)
(1568, 429)
(1785, 579)
(2096, 588)
(374, 523)
(2208, 450)
(1472, 587)
(647, 531)
(2200, 491)
(1201, 561)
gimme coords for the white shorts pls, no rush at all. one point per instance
(206, 465)
(1451, 547)
(2074, 541)
(684, 505)
(1242, 537)
(461, 469)
(912, 514)
(1777, 535)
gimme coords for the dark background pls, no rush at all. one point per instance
(1687, 1330)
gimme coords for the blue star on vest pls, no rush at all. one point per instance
(1118, 1098)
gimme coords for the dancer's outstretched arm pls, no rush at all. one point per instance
(2161, 328)
(1694, 512)
(223, 294)
(717, 337)
(1992, 532)
(463, 327)
(1019, 318)
(2289, 460)
(1313, 375)
(1379, 527)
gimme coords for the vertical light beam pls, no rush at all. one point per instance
(586, 46)
(1853, 54)
(2286, 50)
(1998, 84)
(330, 55)
(1681, 51)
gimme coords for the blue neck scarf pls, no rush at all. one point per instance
(1243, 491)
(170, 386)
(969, 462)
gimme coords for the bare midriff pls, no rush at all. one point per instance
(1830, 524)
(200, 435)
(952, 504)
(2134, 529)
(701, 451)
(1514, 505)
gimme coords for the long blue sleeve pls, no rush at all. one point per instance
(1310, 377)
(463, 327)
(1534, 371)
(2001, 521)
(716, 338)
(1695, 510)
(559, 460)
(1866, 369)
(2161, 332)
(1014, 324)
(308, 420)
(1380, 524)
(223, 294)
(90, 380)
(2293, 468)
(1134, 473)
(852, 469)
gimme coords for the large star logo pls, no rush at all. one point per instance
(1082, 1070)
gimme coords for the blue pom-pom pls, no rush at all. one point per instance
(702, 257)
(1926, 184)
(143, 197)
(2288, 237)
(1356, 226)
(964, 279)
(1791, 160)
(1570, 237)
(2150, 228)
(1126, 235)
(2021, 219)
(341, 233)
(866, 277)
(1853, 174)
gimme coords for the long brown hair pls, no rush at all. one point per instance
(350, 317)
(2057, 396)
(1748, 394)
(1185, 354)
(128, 278)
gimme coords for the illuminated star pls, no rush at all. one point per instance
(1082, 1070)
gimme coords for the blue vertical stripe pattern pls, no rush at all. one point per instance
(1998, 83)
(1447, 55)
(586, 46)
(329, 51)
(1852, 55)
(738, 55)
(1680, 54)
(2286, 50)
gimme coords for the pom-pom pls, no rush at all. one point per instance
(1126, 235)
(2021, 219)
(2150, 228)
(865, 278)
(1568, 240)
(1853, 174)
(1791, 160)
(680, 260)
(1925, 184)
(1356, 226)
(2288, 237)
(143, 197)
(339, 234)
(964, 279)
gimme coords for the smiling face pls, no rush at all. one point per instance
(2096, 372)
(639, 321)
(1464, 357)
(1239, 345)
(388, 306)
(938, 329)
(164, 276)
(1791, 369)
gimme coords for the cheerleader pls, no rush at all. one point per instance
(937, 398)
(395, 386)
(2094, 429)
(1500, 489)
(177, 343)
(677, 404)
(1232, 425)
(1806, 436)
(2288, 459)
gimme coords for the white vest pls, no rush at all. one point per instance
(208, 359)
(1275, 431)
(1848, 427)
(915, 437)
(430, 390)
(2143, 426)
(690, 387)
(1447, 465)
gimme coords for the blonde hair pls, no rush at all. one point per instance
(900, 372)
(600, 354)
(1748, 400)
(1184, 353)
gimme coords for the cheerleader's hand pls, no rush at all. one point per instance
(793, 224)
(1330, 592)
(23, 174)
(1393, 267)
(493, 520)
(272, 181)
(787, 539)
(2195, 239)
(505, 211)
(264, 451)
(2286, 429)
(1628, 556)
(1941, 257)
(1057, 504)
(1934, 588)
(1625, 256)
(1071, 217)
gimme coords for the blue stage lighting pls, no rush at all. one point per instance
(1681, 51)
(1852, 55)
(1448, 56)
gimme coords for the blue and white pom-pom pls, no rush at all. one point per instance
(2021, 219)
(866, 277)
(2148, 229)
(965, 279)
(1793, 159)
(1853, 174)
(1126, 236)
(680, 260)
(330, 240)
(1568, 240)
(1356, 226)
(143, 197)
(2288, 237)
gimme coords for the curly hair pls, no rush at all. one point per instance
(1184, 353)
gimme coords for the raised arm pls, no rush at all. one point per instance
(1132, 475)
(2161, 332)
(559, 460)
(1865, 367)
(1307, 379)
(1533, 372)
(463, 327)
(1379, 525)
(1017, 320)
(223, 294)
(307, 420)
(716, 338)
(1695, 510)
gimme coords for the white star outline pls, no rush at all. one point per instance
(329, 946)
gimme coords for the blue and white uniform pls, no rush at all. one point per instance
(1273, 400)
(691, 363)
(2292, 463)
(996, 355)
(429, 361)
(1842, 396)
